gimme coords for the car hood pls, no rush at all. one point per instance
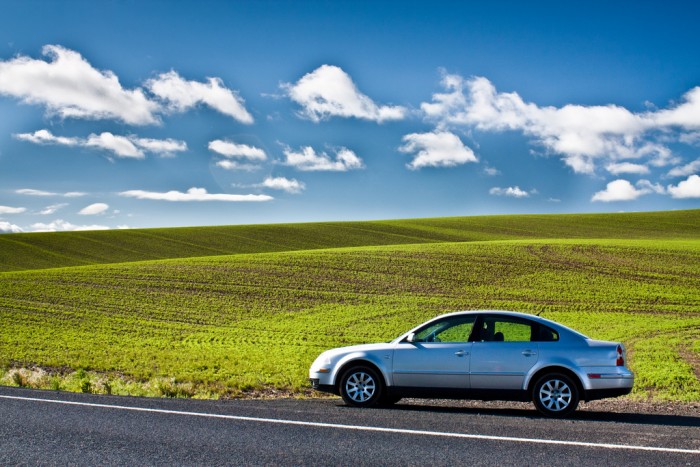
(358, 348)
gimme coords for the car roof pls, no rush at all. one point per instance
(515, 314)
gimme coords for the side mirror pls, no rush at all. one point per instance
(411, 338)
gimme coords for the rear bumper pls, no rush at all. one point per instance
(606, 383)
(595, 394)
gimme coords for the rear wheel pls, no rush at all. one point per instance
(555, 395)
(361, 386)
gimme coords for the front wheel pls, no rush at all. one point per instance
(361, 386)
(555, 395)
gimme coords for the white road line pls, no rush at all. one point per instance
(361, 428)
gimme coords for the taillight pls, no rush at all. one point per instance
(620, 357)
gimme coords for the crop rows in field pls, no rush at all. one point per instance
(231, 323)
(49, 250)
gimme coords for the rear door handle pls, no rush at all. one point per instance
(461, 353)
(529, 353)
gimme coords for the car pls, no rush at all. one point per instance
(484, 355)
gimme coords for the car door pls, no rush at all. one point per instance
(438, 357)
(502, 353)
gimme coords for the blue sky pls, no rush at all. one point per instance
(152, 114)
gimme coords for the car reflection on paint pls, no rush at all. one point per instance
(486, 355)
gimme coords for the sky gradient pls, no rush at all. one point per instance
(157, 114)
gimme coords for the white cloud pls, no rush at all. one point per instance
(328, 91)
(307, 159)
(68, 86)
(121, 146)
(6, 227)
(436, 149)
(235, 165)
(688, 169)
(33, 192)
(235, 150)
(282, 183)
(491, 171)
(626, 167)
(689, 188)
(512, 191)
(685, 115)
(48, 210)
(181, 95)
(193, 194)
(61, 225)
(622, 190)
(46, 137)
(11, 210)
(582, 135)
(163, 147)
(94, 209)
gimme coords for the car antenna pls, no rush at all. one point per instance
(539, 312)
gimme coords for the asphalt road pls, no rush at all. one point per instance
(46, 427)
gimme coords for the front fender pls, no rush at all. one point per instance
(361, 357)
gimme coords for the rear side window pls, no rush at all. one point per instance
(545, 334)
(512, 329)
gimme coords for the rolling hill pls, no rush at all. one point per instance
(213, 325)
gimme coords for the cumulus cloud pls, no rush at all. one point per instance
(307, 159)
(52, 209)
(7, 227)
(582, 135)
(689, 188)
(491, 171)
(512, 191)
(685, 170)
(68, 86)
(623, 190)
(235, 165)
(282, 183)
(235, 150)
(436, 149)
(94, 209)
(328, 91)
(121, 146)
(33, 192)
(179, 95)
(626, 167)
(61, 225)
(193, 194)
(11, 210)
(163, 147)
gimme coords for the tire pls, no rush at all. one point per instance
(555, 395)
(361, 386)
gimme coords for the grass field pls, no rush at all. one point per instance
(215, 325)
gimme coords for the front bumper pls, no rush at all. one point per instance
(316, 384)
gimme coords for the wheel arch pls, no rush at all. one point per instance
(556, 369)
(360, 361)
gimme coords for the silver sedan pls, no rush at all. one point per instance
(486, 355)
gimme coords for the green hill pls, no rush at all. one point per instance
(61, 249)
(226, 325)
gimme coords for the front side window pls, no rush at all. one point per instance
(455, 329)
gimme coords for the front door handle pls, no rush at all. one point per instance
(529, 353)
(461, 353)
